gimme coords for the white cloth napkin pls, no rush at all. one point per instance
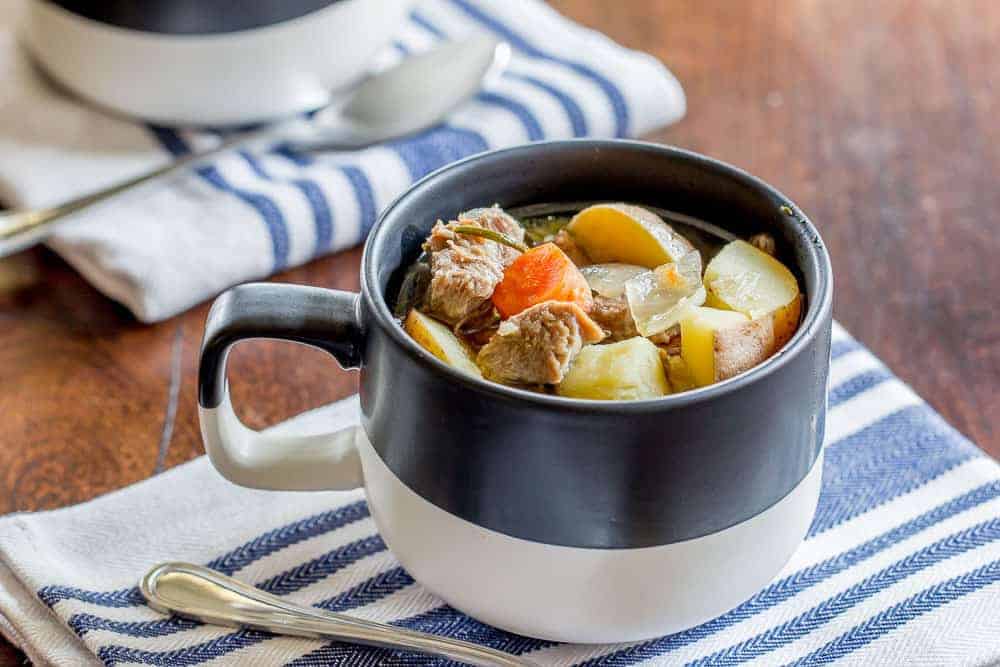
(901, 565)
(164, 248)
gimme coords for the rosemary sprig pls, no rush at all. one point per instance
(499, 237)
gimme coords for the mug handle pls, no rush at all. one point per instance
(323, 318)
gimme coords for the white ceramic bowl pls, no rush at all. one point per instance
(169, 70)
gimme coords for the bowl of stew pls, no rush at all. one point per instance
(592, 382)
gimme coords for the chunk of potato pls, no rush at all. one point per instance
(749, 281)
(786, 322)
(718, 344)
(438, 339)
(627, 234)
(623, 371)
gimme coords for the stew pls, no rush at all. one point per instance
(608, 303)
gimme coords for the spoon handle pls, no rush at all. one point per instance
(198, 593)
(20, 229)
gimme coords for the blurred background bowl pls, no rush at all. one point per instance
(198, 62)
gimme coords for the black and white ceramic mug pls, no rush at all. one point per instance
(572, 520)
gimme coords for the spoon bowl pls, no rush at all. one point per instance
(405, 100)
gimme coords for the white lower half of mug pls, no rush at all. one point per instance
(560, 593)
(572, 594)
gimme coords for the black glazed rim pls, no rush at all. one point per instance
(191, 17)
(817, 308)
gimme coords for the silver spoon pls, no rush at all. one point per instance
(198, 593)
(414, 95)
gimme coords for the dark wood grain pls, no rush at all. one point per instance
(878, 118)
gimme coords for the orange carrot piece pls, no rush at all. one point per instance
(544, 273)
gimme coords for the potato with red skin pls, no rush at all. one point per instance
(544, 273)
(719, 344)
(438, 339)
(745, 279)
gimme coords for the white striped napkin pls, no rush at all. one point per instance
(253, 213)
(901, 565)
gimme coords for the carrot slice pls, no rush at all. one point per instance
(544, 273)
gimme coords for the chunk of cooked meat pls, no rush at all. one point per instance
(465, 269)
(669, 339)
(613, 315)
(537, 345)
(765, 243)
(565, 241)
(464, 272)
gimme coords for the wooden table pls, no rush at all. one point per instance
(878, 118)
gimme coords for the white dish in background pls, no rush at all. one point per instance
(241, 76)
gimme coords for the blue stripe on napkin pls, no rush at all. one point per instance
(912, 449)
(126, 597)
(230, 562)
(364, 196)
(899, 614)
(573, 111)
(270, 213)
(322, 215)
(425, 152)
(114, 655)
(418, 18)
(531, 125)
(857, 384)
(370, 590)
(519, 42)
(84, 623)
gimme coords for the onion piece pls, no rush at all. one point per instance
(657, 299)
(609, 279)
